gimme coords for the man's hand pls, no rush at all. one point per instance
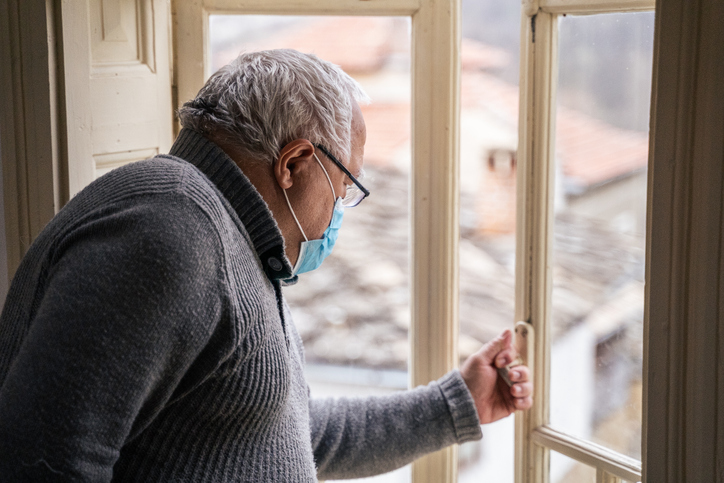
(493, 397)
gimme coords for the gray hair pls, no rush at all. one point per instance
(263, 100)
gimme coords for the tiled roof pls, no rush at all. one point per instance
(593, 152)
(485, 91)
(479, 56)
(362, 43)
(388, 132)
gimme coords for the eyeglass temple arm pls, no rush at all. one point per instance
(345, 170)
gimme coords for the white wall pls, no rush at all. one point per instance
(573, 359)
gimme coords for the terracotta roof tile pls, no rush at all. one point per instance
(475, 55)
(592, 152)
(388, 131)
(362, 43)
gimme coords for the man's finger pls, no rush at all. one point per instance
(495, 346)
(521, 389)
(519, 373)
(505, 357)
(523, 403)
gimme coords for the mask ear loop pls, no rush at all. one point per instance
(331, 186)
(294, 215)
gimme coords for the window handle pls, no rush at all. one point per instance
(524, 340)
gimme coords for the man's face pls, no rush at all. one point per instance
(320, 210)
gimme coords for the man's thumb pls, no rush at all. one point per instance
(495, 346)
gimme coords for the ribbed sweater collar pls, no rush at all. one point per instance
(241, 194)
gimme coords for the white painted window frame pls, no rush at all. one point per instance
(435, 165)
(536, 178)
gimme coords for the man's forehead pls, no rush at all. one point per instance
(356, 165)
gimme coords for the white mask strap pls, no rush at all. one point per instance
(331, 186)
(294, 215)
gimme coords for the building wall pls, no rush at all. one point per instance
(622, 203)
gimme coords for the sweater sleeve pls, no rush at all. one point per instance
(354, 438)
(129, 301)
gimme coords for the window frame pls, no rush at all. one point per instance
(684, 298)
(434, 194)
(534, 438)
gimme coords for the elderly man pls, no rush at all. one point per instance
(145, 336)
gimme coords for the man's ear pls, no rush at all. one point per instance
(293, 159)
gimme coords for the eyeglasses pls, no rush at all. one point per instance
(355, 194)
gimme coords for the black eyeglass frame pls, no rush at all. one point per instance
(345, 170)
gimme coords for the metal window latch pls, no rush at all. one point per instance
(524, 347)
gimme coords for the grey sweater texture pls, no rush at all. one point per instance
(145, 338)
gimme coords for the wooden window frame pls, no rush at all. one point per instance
(435, 165)
(534, 260)
(683, 435)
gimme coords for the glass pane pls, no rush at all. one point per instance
(353, 313)
(488, 143)
(598, 272)
(568, 470)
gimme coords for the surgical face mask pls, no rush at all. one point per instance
(313, 252)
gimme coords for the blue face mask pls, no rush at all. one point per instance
(313, 252)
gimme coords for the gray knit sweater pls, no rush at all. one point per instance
(145, 338)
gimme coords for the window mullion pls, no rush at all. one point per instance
(536, 177)
(435, 208)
